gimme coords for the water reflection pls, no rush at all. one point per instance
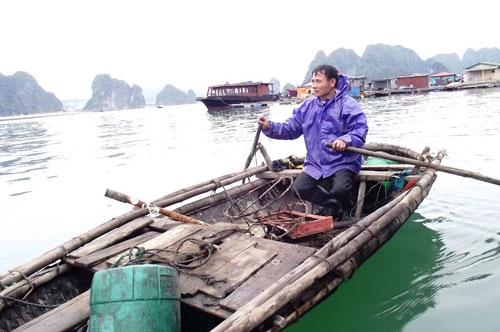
(234, 123)
(392, 288)
(23, 149)
(119, 136)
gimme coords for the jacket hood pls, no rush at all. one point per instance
(342, 86)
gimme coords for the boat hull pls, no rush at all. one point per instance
(261, 264)
(227, 102)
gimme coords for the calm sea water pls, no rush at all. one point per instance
(440, 272)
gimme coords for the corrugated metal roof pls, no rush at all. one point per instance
(443, 74)
(383, 79)
(307, 85)
(490, 64)
(414, 75)
(239, 84)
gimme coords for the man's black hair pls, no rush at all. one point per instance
(329, 71)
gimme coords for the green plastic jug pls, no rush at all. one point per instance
(135, 298)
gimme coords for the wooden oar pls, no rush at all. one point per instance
(137, 202)
(446, 169)
(254, 147)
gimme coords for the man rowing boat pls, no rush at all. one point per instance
(330, 117)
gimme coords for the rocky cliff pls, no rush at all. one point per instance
(21, 94)
(112, 94)
(385, 61)
(343, 59)
(170, 95)
(451, 61)
(276, 85)
(472, 57)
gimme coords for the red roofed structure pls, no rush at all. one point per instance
(442, 78)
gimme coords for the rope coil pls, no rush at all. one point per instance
(183, 262)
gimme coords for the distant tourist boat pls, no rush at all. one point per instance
(228, 95)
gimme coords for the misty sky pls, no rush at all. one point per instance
(193, 44)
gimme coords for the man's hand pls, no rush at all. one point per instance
(262, 121)
(338, 145)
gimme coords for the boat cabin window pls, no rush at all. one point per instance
(232, 91)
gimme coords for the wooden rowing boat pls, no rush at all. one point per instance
(270, 259)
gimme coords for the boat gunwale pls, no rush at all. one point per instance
(169, 199)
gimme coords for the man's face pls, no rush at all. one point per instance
(322, 87)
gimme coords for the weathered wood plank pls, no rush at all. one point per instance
(206, 304)
(61, 318)
(362, 175)
(102, 255)
(361, 199)
(163, 224)
(289, 257)
(237, 261)
(112, 237)
(190, 284)
(164, 240)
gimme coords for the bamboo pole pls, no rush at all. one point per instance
(361, 199)
(205, 183)
(268, 302)
(392, 149)
(60, 251)
(211, 186)
(219, 197)
(446, 169)
(20, 288)
(264, 153)
(137, 202)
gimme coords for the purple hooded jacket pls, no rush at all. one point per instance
(340, 117)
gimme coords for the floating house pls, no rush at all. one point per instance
(416, 81)
(290, 93)
(482, 72)
(304, 91)
(357, 86)
(442, 78)
(383, 84)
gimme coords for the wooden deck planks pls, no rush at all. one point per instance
(244, 266)
(112, 237)
(102, 255)
(238, 258)
(289, 256)
(164, 240)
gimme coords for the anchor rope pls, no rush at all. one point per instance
(183, 262)
(27, 302)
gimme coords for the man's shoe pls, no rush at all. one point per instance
(333, 208)
(346, 217)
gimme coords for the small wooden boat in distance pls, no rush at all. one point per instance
(227, 95)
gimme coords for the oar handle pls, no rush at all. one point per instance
(254, 147)
(137, 202)
(118, 196)
(446, 169)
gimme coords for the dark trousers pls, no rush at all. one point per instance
(339, 186)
